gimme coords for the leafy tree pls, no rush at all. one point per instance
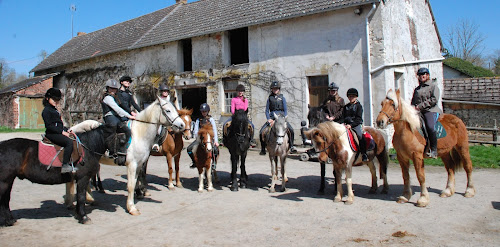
(465, 41)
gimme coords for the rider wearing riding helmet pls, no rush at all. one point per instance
(425, 100)
(276, 103)
(55, 130)
(240, 102)
(127, 97)
(333, 104)
(112, 112)
(164, 92)
(191, 149)
(353, 119)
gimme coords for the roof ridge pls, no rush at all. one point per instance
(155, 25)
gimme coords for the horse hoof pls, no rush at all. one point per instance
(445, 194)
(348, 202)
(283, 189)
(102, 191)
(171, 187)
(470, 193)
(200, 190)
(234, 188)
(179, 185)
(85, 220)
(423, 202)
(210, 189)
(134, 212)
(337, 199)
(272, 190)
(402, 200)
(372, 191)
(243, 185)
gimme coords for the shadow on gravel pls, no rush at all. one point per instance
(49, 209)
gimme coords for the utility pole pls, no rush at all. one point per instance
(72, 8)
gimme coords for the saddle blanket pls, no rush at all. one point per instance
(370, 143)
(47, 153)
(440, 131)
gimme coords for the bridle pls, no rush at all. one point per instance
(329, 145)
(391, 118)
(171, 121)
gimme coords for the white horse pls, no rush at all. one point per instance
(144, 129)
(277, 146)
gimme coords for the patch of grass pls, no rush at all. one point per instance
(481, 156)
(4, 129)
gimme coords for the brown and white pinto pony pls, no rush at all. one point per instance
(172, 147)
(330, 140)
(453, 149)
(203, 156)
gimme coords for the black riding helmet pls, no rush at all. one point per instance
(163, 87)
(126, 78)
(240, 88)
(423, 71)
(204, 107)
(53, 93)
(352, 91)
(333, 86)
(275, 84)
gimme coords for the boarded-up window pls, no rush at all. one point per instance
(318, 89)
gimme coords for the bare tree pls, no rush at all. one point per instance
(465, 41)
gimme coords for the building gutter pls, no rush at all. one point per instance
(368, 63)
(405, 63)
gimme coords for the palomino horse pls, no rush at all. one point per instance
(19, 158)
(319, 137)
(409, 144)
(238, 143)
(203, 156)
(144, 129)
(277, 146)
(170, 148)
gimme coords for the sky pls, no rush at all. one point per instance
(28, 27)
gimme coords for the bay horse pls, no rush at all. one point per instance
(170, 148)
(19, 158)
(144, 129)
(237, 142)
(203, 156)
(453, 149)
(277, 145)
(324, 142)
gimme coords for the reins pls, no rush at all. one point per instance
(324, 150)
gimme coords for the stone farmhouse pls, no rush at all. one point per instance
(204, 49)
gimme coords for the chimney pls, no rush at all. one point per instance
(80, 33)
(181, 1)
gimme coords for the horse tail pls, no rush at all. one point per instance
(457, 160)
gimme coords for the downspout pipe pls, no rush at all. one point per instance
(368, 63)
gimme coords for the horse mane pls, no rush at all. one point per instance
(207, 127)
(408, 113)
(145, 115)
(185, 111)
(94, 139)
(331, 130)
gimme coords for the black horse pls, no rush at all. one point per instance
(315, 116)
(238, 141)
(19, 158)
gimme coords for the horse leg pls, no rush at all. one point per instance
(449, 164)
(131, 182)
(243, 172)
(463, 153)
(373, 171)
(283, 173)
(405, 166)
(201, 175)
(208, 169)
(141, 184)
(6, 218)
(348, 181)
(170, 171)
(99, 186)
(321, 190)
(419, 169)
(69, 198)
(178, 182)
(88, 196)
(81, 191)
(383, 161)
(234, 169)
(338, 182)
(274, 173)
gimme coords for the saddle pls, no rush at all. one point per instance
(438, 127)
(354, 142)
(50, 154)
(225, 129)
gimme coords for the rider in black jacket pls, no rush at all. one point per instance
(126, 97)
(353, 119)
(55, 130)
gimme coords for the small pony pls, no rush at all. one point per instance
(204, 155)
(277, 146)
(453, 149)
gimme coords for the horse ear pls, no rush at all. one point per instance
(190, 111)
(398, 92)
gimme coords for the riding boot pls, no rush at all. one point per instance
(291, 137)
(362, 149)
(262, 146)
(433, 145)
(191, 155)
(67, 168)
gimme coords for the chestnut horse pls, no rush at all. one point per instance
(203, 155)
(171, 148)
(453, 149)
